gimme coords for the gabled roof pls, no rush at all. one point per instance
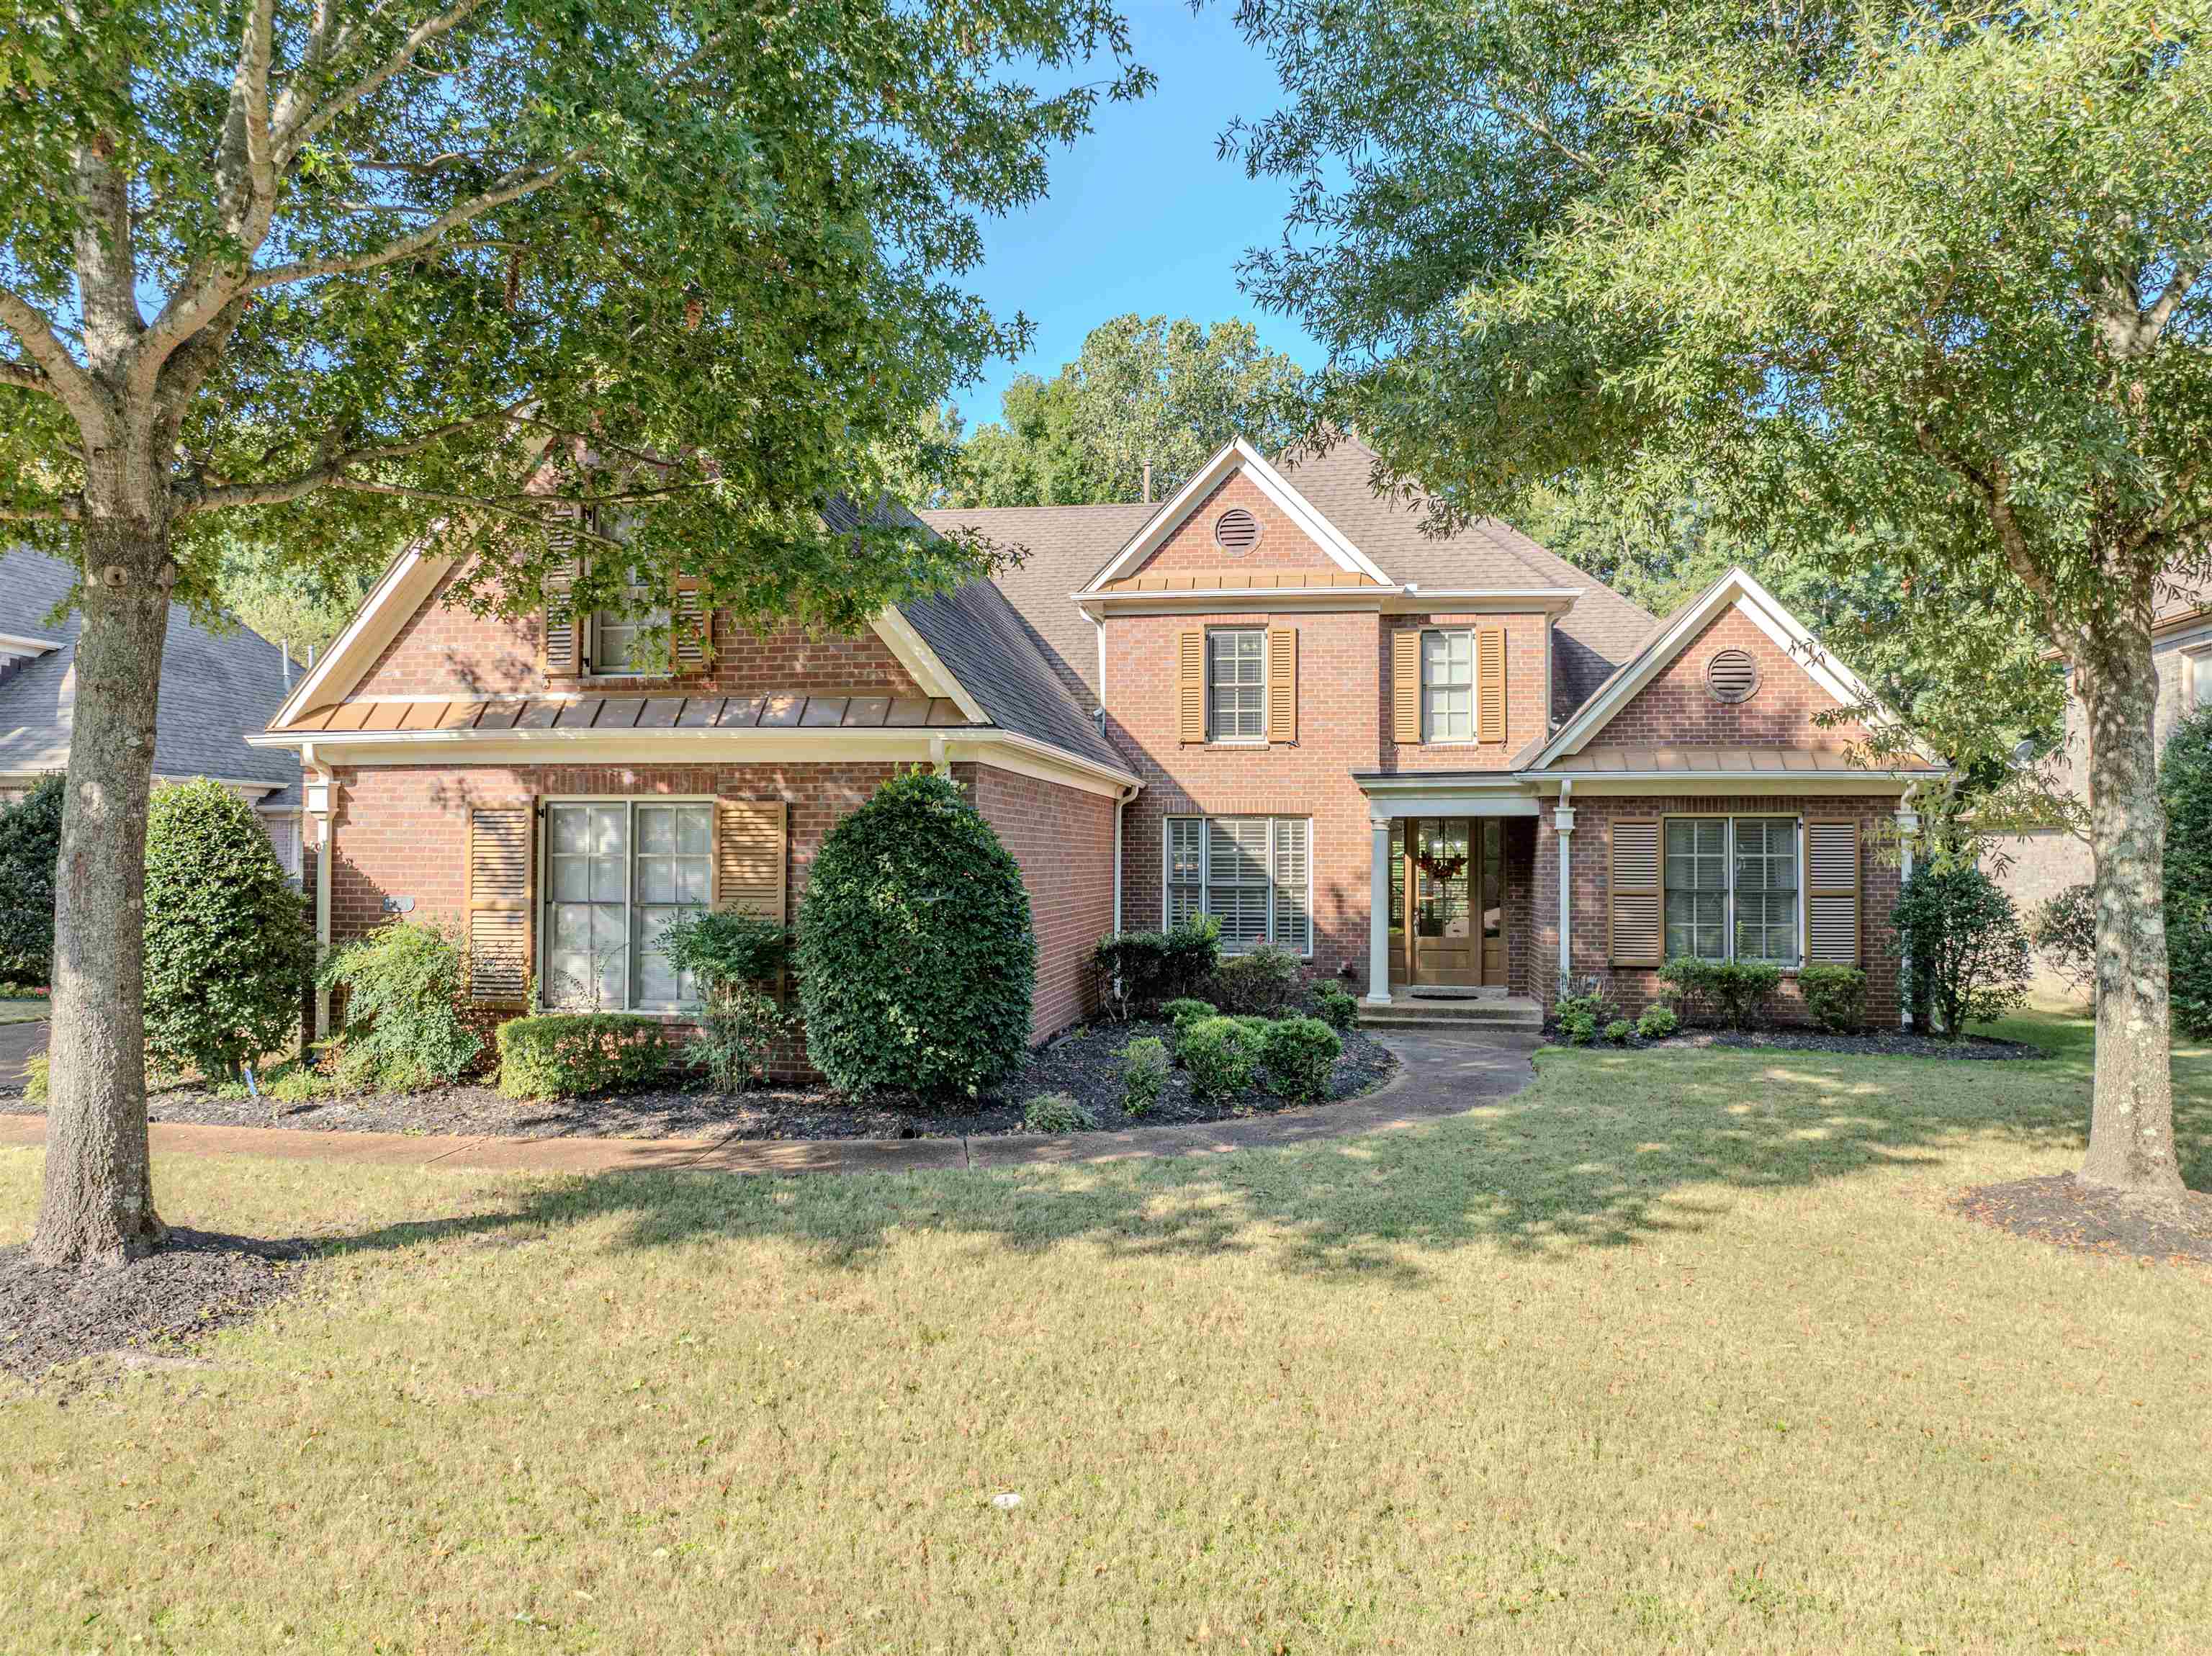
(216, 688)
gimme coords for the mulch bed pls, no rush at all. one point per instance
(2066, 1213)
(146, 1310)
(1888, 1043)
(1086, 1063)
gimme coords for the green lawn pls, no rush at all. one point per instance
(22, 1009)
(1673, 1351)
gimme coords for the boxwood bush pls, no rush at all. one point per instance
(1220, 1054)
(1261, 983)
(1835, 997)
(1336, 1006)
(916, 956)
(1299, 1053)
(1185, 1012)
(1058, 1112)
(1735, 991)
(1144, 1075)
(567, 1054)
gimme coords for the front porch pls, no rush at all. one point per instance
(1449, 892)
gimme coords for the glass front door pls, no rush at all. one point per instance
(1452, 868)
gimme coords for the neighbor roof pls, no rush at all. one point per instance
(217, 687)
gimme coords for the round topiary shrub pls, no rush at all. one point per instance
(228, 947)
(2185, 779)
(916, 957)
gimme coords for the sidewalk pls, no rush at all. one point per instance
(1441, 1074)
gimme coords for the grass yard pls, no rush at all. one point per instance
(23, 1009)
(1680, 1355)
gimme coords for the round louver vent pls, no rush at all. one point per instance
(1236, 532)
(1732, 676)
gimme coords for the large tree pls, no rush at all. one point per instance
(358, 267)
(1144, 392)
(1832, 265)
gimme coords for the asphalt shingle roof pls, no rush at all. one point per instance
(216, 689)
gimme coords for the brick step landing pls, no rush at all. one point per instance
(1424, 1012)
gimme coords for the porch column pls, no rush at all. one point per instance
(1563, 819)
(1378, 916)
(1908, 830)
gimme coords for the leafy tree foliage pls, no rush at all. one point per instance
(2185, 783)
(30, 840)
(1864, 268)
(1964, 945)
(1143, 390)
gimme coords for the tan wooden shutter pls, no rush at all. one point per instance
(1190, 685)
(750, 856)
(562, 652)
(691, 629)
(1282, 684)
(1406, 686)
(1638, 932)
(1490, 684)
(1831, 893)
(496, 898)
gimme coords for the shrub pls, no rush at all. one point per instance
(1144, 1075)
(1129, 965)
(916, 957)
(1735, 992)
(1259, 984)
(1336, 1006)
(729, 955)
(1967, 953)
(36, 1079)
(1193, 954)
(2063, 930)
(1184, 1013)
(564, 1054)
(1835, 997)
(228, 948)
(1578, 1028)
(298, 1084)
(1300, 1053)
(737, 1034)
(30, 845)
(1658, 1022)
(2185, 781)
(403, 1027)
(1219, 1053)
(1057, 1113)
(1581, 1016)
(1619, 1031)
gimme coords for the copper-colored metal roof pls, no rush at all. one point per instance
(793, 710)
(1634, 761)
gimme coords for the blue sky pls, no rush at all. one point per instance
(1141, 215)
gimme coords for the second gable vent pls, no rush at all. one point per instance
(1236, 532)
(1732, 676)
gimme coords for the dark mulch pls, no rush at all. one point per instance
(1887, 1043)
(2066, 1213)
(146, 1310)
(1086, 1063)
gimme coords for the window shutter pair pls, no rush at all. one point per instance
(562, 654)
(1489, 685)
(1636, 932)
(1282, 684)
(495, 901)
(1832, 894)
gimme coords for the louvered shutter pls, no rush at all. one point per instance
(750, 856)
(1406, 687)
(1831, 893)
(563, 652)
(691, 628)
(496, 885)
(1293, 871)
(1282, 684)
(1490, 684)
(1638, 934)
(1190, 686)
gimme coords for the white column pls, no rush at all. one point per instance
(1563, 819)
(1378, 916)
(1908, 830)
(318, 797)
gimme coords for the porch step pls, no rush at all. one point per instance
(1426, 1012)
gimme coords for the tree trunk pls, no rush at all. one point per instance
(98, 1202)
(2131, 1109)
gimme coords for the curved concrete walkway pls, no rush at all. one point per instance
(1440, 1075)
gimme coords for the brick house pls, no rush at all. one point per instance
(1427, 765)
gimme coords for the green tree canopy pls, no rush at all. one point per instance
(1930, 274)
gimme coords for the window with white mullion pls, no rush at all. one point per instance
(1766, 889)
(1186, 853)
(1448, 686)
(616, 872)
(1236, 684)
(1697, 888)
(1239, 885)
(1252, 873)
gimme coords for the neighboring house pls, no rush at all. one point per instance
(1425, 764)
(218, 688)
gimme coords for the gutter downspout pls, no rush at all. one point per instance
(1562, 819)
(1121, 801)
(323, 849)
(1908, 830)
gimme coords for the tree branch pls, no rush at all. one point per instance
(65, 511)
(298, 127)
(514, 187)
(72, 383)
(27, 376)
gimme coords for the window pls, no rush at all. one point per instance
(1254, 873)
(2196, 668)
(1236, 684)
(1447, 686)
(1732, 889)
(617, 871)
(616, 646)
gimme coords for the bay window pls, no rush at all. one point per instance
(1252, 874)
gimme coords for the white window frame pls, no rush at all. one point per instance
(1205, 871)
(677, 1010)
(1429, 737)
(661, 615)
(1260, 740)
(1729, 862)
(2196, 667)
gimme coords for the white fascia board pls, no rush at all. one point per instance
(1740, 783)
(1212, 600)
(1232, 455)
(19, 644)
(393, 599)
(915, 654)
(1444, 802)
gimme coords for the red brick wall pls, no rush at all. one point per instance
(1590, 867)
(1527, 709)
(1675, 709)
(444, 648)
(1063, 838)
(1282, 545)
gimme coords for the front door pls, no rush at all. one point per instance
(1455, 874)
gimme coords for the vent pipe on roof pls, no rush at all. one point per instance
(1148, 482)
(311, 657)
(284, 648)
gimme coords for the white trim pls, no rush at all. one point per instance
(1729, 863)
(1743, 784)
(1445, 802)
(1413, 598)
(1205, 685)
(339, 659)
(21, 646)
(1736, 590)
(913, 653)
(1233, 456)
(542, 921)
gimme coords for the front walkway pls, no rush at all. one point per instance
(1442, 1074)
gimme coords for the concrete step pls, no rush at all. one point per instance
(1408, 1012)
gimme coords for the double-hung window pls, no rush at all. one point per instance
(1252, 874)
(618, 639)
(1732, 889)
(1236, 684)
(616, 872)
(1447, 686)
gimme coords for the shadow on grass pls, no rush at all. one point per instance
(1608, 1149)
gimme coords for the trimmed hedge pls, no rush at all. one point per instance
(1138, 970)
(916, 956)
(1261, 983)
(1144, 1075)
(2184, 780)
(1300, 1054)
(1835, 997)
(566, 1054)
(1734, 991)
(30, 845)
(1220, 1054)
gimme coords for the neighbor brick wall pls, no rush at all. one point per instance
(1282, 545)
(1063, 838)
(1590, 868)
(1526, 708)
(1676, 709)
